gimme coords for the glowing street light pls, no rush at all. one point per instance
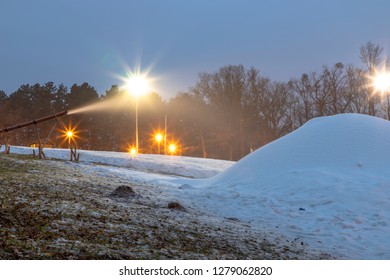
(69, 134)
(137, 85)
(172, 148)
(133, 151)
(381, 82)
(158, 137)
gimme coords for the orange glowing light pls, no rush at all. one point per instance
(172, 148)
(133, 151)
(69, 134)
(158, 137)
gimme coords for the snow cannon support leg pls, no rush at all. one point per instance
(74, 156)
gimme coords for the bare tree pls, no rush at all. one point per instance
(271, 106)
(335, 82)
(356, 90)
(301, 88)
(224, 90)
(371, 56)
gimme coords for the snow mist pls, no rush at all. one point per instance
(112, 104)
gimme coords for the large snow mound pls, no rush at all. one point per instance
(327, 185)
(342, 144)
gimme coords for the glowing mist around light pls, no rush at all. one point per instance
(112, 104)
(135, 84)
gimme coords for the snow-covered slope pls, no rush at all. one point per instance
(147, 163)
(327, 184)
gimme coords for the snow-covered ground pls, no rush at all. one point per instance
(326, 185)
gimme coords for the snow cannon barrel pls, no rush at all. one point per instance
(43, 119)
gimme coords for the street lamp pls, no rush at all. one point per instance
(381, 82)
(172, 148)
(69, 135)
(132, 151)
(137, 85)
(158, 137)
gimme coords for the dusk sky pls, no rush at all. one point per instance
(76, 41)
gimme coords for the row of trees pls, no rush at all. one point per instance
(226, 114)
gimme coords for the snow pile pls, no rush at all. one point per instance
(344, 144)
(326, 184)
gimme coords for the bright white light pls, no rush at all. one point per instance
(158, 137)
(137, 81)
(382, 82)
(133, 151)
(172, 148)
(138, 85)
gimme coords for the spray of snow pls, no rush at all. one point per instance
(111, 105)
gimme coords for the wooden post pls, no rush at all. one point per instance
(40, 147)
(7, 148)
(74, 156)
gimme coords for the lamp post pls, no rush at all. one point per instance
(136, 125)
(137, 85)
(158, 138)
(69, 135)
(172, 148)
(382, 84)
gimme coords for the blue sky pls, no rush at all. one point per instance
(76, 41)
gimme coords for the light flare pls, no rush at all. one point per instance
(137, 85)
(136, 81)
(381, 81)
(133, 151)
(69, 134)
(172, 148)
(158, 137)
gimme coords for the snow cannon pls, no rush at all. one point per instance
(43, 119)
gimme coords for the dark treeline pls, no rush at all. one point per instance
(226, 114)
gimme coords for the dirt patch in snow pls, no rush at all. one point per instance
(124, 192)
(51, 209)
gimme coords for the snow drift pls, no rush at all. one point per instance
(327, 185)
(347, 144)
